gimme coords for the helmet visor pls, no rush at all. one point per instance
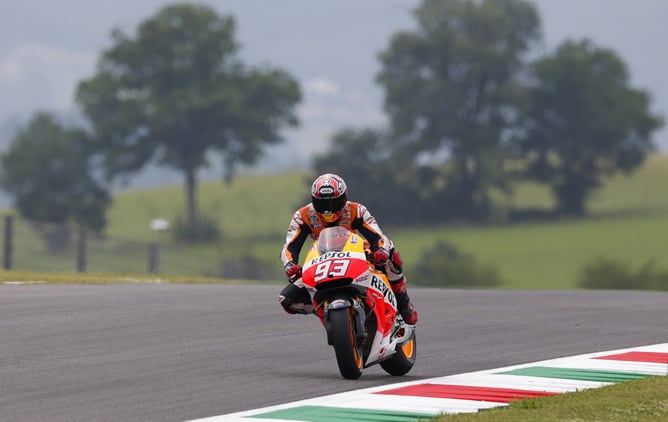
(331, 205)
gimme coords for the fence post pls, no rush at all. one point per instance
(81, 251)
(8, 238)
(153, 258)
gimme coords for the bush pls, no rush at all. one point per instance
(443, 265)
(603, 273)
(207, 230)
(57, 237)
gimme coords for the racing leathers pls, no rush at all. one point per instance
(306, 222)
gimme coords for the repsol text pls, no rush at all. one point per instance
(386, 291)
(329, 255)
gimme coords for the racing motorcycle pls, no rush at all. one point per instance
(356, 306)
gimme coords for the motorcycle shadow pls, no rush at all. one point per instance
(370, 376)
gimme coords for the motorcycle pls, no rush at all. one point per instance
(356, 306)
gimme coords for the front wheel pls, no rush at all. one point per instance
(403, 360)
(348, 351)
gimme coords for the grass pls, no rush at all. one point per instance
(640, 193)
(628, 221)
(64, 277)
(548, 256)
(250, 206)
(643, 400)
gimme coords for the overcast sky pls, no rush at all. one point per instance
(331, 47)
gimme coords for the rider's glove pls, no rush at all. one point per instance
(294, 271)
(381, 256)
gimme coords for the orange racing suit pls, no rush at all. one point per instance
(307, 222)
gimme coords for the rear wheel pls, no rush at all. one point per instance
(403, 360)
(348, 352)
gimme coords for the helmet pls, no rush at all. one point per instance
(329, 195)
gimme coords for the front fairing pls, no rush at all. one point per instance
(337, 258)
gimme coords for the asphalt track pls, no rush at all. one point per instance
(177, 352)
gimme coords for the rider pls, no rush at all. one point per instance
(330, 207)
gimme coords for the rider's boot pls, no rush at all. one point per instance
(295, 299)
(406, 308)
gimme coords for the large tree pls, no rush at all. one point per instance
(452, 89)
(177, 94)
(584, 122)
(360, 156)
(396, 189)
(49, 171)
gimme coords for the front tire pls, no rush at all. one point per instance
(344, 339)
(403, 360)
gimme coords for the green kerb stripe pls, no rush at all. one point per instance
(339, 414)
(576, 374)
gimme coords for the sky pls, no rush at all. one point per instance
(330, 47)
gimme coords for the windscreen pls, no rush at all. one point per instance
(332, 239)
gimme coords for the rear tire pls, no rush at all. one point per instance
(348, 352)
(403, 360)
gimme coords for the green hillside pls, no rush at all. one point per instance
(628, 221)
(248, 207)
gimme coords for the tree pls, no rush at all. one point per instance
(177, 94)
(452, 90)
(397, 190)
(584, 123)
(48, 170)
(354, 155)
